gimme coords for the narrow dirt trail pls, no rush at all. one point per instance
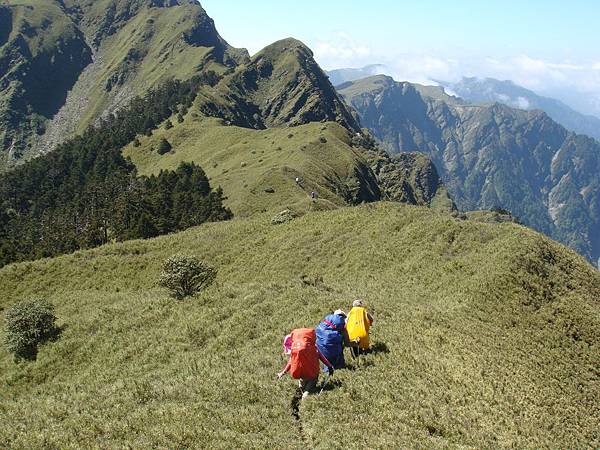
(295, 407)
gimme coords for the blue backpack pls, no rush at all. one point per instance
(330, 339)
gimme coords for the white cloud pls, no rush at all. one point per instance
(341, 51)
(575, 82)
(522, 103)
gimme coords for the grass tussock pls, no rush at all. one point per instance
(485, 335)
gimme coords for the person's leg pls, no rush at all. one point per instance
(309, 386)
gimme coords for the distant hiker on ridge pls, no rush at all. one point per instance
(331, 334)
(303, 364)
(358, 325)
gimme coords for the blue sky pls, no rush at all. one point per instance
(544, 45)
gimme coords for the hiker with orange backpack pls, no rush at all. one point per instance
(358, 324)
(303, 364)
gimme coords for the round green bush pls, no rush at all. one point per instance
(185, 275)
(282, 217)
(29, 324)
(164, 147)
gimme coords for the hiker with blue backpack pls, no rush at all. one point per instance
(331, 336)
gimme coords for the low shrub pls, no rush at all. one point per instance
(28, 324)
(282, 217)
(164, 147)
(185, 275)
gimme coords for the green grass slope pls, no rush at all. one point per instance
(487, 337)
(41, 55)
(245, 162)
(73, 62)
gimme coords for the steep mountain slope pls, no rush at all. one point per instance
(275, 119)
(485, 336)
(492, 156)
(120, 49)
(478, 90)
(42, 53)
(136, 44)
(282, 85)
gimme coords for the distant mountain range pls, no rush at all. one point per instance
(490, 90)
(339, 76)
(491, 155)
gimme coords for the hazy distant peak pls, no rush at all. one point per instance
(490, 90)
(340, 76)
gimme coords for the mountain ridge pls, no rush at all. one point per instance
(493, 156)
(126, 43)
(477, 90)
(484, 334)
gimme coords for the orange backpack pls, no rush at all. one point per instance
(304, 359)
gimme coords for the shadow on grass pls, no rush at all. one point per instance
(329, 385)
(378, 347)
(355, 363)
(29, 353)
(55, 334)
(349, 366)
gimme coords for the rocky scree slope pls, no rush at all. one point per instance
(42, 53)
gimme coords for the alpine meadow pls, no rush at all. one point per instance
(204, 248)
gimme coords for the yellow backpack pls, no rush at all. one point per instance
(358, 326)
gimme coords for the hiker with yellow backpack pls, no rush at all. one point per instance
(358, 324)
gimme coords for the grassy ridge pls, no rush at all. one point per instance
(245, 162)
(487, 337)
(81, 60)
(154, 38)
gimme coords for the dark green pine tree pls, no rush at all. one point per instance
(145, 227)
